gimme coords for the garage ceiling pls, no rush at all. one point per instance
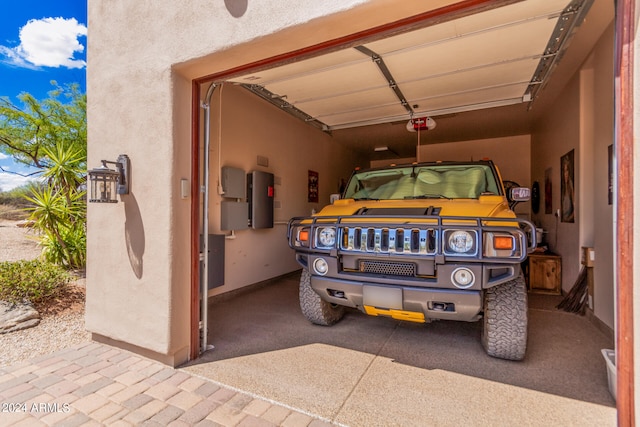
(496, 58)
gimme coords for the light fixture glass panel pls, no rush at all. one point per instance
(103, 185)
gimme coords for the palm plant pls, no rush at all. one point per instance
(51, 136)
(59, 207)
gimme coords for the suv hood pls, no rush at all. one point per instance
(485, 206)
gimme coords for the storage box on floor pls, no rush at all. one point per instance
(610, 359)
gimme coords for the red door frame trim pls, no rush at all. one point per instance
(624, 112)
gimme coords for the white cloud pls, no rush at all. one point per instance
(9, 181)
(3, 156)
(48, 42)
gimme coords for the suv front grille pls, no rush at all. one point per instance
(388, 240)
(388, 268)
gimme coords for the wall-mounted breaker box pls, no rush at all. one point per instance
(234, 215)
(215, 260)
(233, 182)
(260, 194)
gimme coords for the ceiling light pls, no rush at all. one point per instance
(385, 148)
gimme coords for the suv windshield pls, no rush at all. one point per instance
(451, 181)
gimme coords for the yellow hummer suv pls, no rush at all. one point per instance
(417, 243)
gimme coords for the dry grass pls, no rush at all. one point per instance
(12, 213)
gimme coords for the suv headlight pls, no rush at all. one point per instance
(326, 237)
(460, 241)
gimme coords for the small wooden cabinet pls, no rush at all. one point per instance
(545, 273)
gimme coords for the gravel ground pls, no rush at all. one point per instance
(17, 243)
(62, 323)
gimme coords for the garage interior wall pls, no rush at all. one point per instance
(581, 119)
(512, 156)
(245, 127)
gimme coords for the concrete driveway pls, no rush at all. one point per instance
(367, 371)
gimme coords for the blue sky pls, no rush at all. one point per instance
(40, 41)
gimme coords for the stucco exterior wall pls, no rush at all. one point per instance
(142, 58)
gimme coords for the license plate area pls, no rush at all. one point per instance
(382, 297)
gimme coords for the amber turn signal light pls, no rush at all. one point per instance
(503, 242)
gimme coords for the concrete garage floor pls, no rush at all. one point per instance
(368, 371)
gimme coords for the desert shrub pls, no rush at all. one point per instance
(34, 281)
(12, 213)
(13, 203)
(58, 217)
(67, 248)
(17, 196)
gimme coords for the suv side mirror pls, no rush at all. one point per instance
(334, 197)
(519, 194)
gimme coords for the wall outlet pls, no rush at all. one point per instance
(557, 213)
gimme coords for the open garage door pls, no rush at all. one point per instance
(446, 62)
(499, 57)
(502, 57)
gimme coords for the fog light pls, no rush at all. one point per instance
(463, 278)
(320, 266)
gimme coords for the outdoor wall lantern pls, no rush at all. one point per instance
(107, 183)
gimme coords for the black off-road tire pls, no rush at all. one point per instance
(504, 332)
(314, 308)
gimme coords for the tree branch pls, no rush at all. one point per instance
(33, 157)
(18, 173)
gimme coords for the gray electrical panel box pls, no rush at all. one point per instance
(215, 261)
(260, 195)
(234, 215)
(233, 184)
